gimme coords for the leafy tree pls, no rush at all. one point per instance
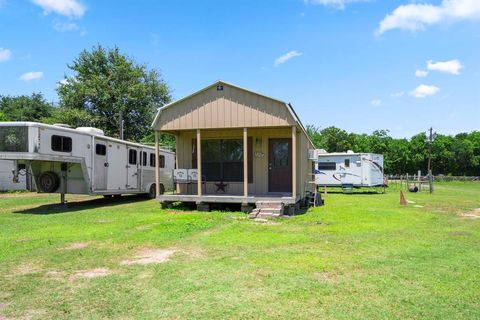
(25, 108)
(3, 117)
(110, 85)
(73, 117)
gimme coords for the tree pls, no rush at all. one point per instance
(3, 117)
(111, 86)
(25, 108)
(73, 117)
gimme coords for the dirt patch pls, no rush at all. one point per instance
(266, 222)
(27, 268)
(22, 240)
(93, 273)
(325, 277)
(3, 305)
(474, 214)
(149, 256)
(76, 245)
(459, 233)
(103, 221)
(56, 275)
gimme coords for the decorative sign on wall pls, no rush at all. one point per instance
(259, 154)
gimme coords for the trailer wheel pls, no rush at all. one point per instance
(152, 192)
(48, 182)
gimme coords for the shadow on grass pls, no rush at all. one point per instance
(75, 206)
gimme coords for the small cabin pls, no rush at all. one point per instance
(235, 146)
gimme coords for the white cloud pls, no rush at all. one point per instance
(64, 27)
(417, 16)
(421, 73)
(287, 56)
(68, 8)
(397, 94)
(452, 66)
(5, 54)
(337, 4)
(423, 91)
(33, 75)
(376, 102)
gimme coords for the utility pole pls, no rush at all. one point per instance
(430, 176)
(121, 125)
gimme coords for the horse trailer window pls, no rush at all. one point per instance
(152, 160)
(144, 159)
(100, 149)
(347, 163)
(327, 166)
(13, 139)
(132, 156)
(162, 161)
(61, 143)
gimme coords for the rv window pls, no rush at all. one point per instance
(347, 163)
(100, 149)
(152, 160)
(327, 166)
(132, 156)
(162, 161)
(61, 144)
(144, 159)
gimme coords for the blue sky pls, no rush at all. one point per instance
(357, 64)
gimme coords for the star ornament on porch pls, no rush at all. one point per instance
(221, 186)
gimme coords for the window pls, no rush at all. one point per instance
(152, 160)
(347, 163)
(162, 161)
(61, 144)
(13, 139)
(132, 156)
(144, 159)
(327, 166)
(222, 159)
(100, 149)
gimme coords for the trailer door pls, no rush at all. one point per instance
(117, 179)
(132, 167)
(101, 165)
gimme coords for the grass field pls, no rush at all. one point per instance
(359, 257)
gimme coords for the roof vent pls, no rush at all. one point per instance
(62, 125)
(90, 130)
(350, 151)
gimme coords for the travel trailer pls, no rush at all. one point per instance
(347, 169)
(82, 160)
(236, 146)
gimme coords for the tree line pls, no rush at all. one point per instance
(451, 155)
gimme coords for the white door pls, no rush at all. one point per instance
(133, 155)
(101, 165)
(118, 160)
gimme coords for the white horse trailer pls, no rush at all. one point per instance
(348, 169)
(83, 161)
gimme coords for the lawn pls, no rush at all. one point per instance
(362, 256)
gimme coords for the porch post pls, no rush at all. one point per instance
(177, 185)
(245, 163)
(199, 163)
(294, 162)
(157, 163)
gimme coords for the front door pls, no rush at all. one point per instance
(280, 165)
(101, 165)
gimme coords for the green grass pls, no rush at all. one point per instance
(359, 257)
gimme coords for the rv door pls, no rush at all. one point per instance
(132, 167)
(101, 165)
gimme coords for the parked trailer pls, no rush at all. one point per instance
(6, 177)
(348, 169)
(83, 160)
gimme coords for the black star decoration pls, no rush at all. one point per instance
(221, 186)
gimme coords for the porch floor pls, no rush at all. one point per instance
(227, 198)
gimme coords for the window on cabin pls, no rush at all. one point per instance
(347, 163)
(61, 143)
(144, 158)
(152, 160)
(222, 159)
